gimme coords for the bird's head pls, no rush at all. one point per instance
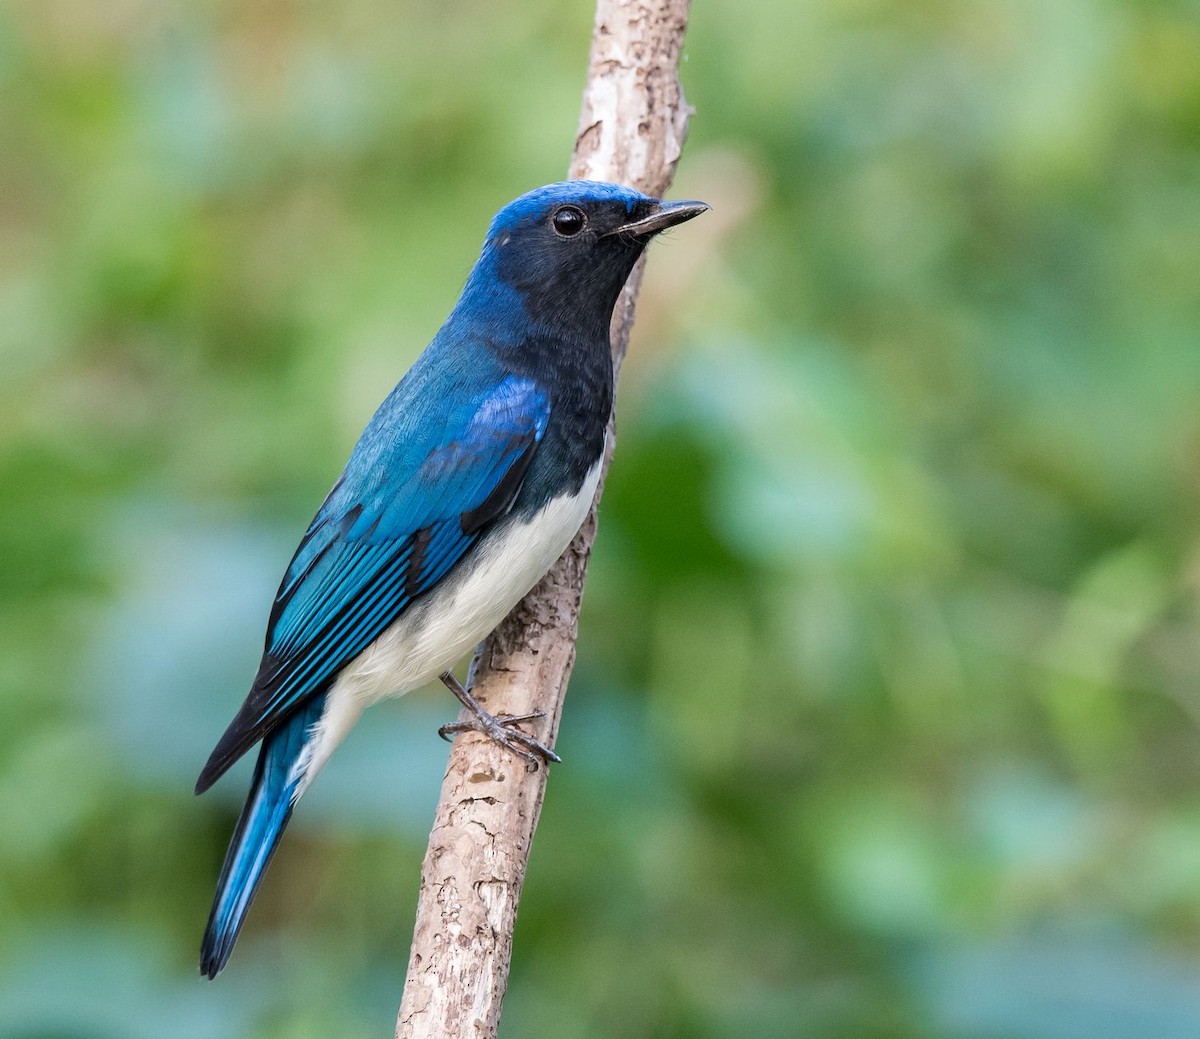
(568, 248)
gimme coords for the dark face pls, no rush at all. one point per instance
(570, 251)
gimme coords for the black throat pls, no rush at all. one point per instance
(555, 318)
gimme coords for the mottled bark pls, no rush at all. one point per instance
(631, 130)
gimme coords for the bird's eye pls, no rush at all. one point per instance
(569, 221)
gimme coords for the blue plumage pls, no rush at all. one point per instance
(263, 818)
(404, 512)
(467, 483)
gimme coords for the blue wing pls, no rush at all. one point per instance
(397, 521)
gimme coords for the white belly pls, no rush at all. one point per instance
(456, 615)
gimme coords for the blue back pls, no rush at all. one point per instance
(418, 491)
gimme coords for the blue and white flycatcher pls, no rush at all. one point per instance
(467, 484)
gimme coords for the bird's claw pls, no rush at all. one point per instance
(502, 729)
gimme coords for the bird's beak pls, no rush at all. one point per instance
(666, 214)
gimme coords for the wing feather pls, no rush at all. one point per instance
(378, 542)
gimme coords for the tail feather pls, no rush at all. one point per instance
(268, 808)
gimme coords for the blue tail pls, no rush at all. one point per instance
(268, 808)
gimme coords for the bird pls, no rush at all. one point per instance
(469, 481)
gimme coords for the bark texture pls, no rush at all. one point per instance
(631, 131)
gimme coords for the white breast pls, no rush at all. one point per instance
(457, 614)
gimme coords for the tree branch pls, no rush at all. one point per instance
(631, 131)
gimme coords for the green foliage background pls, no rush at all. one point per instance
(886, 716)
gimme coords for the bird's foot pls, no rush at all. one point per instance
(501, 728)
